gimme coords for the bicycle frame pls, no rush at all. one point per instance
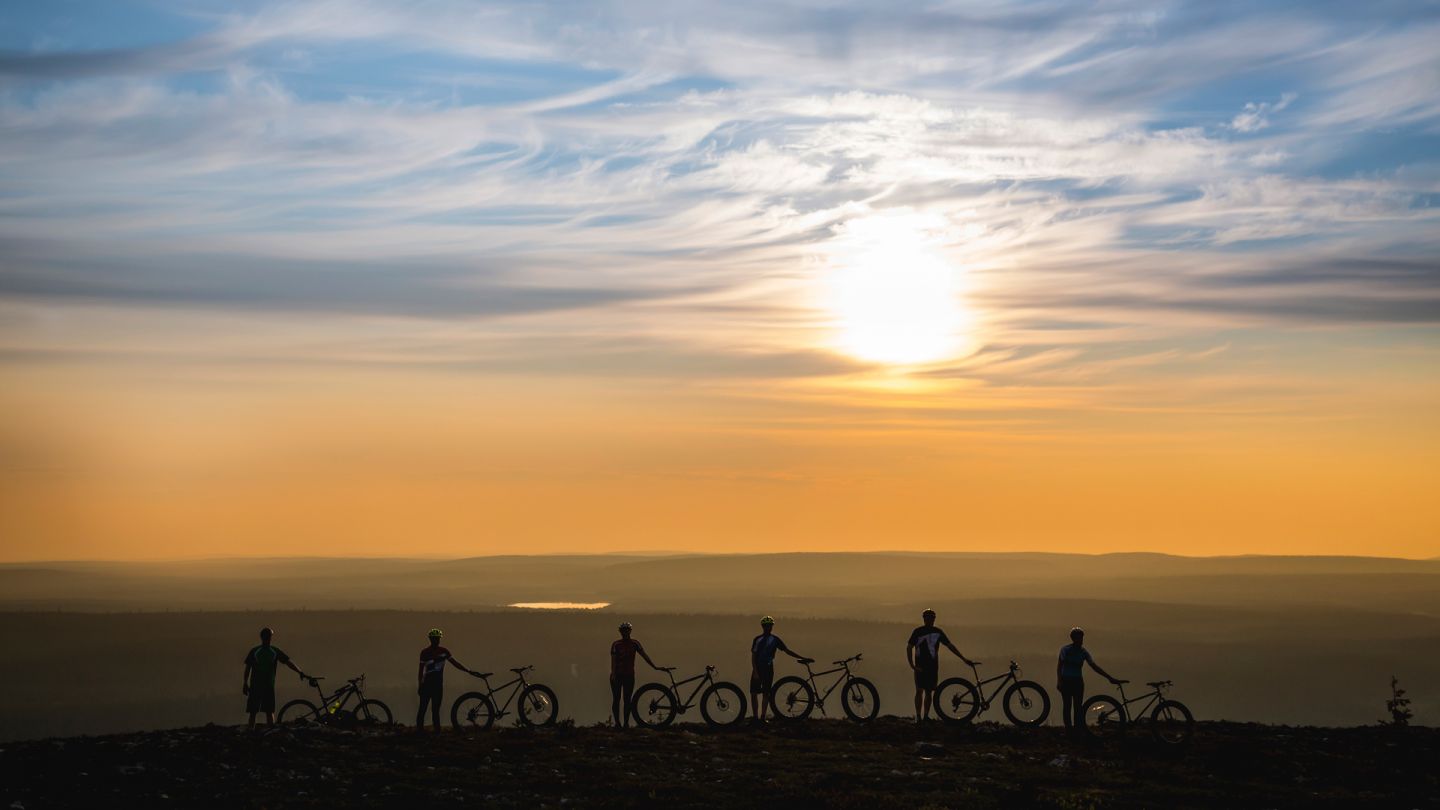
(705, 679)
(1011, 675)
(519, 683)
(1155, 696)
(343, 695)
(811, 675)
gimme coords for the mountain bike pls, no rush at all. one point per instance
(721, 702)
(1026, 703)
(537, 704)
(794, 698)
(332, 708)
(1171, 722)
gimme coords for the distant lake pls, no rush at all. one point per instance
(560, 605)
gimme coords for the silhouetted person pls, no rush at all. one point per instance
(1069, 674)
(258, 685)
(622, 674)
(923, 654)
(432, 679)
(762, 666)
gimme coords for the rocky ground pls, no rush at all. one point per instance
(816, 763)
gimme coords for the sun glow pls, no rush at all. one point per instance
(893, 297)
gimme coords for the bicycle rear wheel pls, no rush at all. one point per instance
(1104, 717)
(373, 712)
(1027, 703)
(1172, 723)
(723, 704)
(956, 700)
(860, 700)
(472, 710)
(792, 698)
(654, 705)
(298, 711)
(538, 705)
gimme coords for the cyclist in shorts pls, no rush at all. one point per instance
(923, 654)
(1069, 674)
(762, 665)
(258, 685)
(432, 679)
(622, 674)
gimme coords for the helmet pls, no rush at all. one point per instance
(435, 632)
(626, 625)
(767, 621)
(927, 612)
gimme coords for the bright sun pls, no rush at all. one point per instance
(893, 297)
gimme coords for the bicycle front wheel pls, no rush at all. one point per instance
(956, 700)
(723, 704)
(1172, 723)
(298, 711)
(860, 700)
(472, 710)
(654, 705)
(373, 712)
(538, 705)
(1027, 703)
(792, 698)
(1104, 717)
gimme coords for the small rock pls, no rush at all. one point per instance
(1062, 761)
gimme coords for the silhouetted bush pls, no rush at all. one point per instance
(1398, 705)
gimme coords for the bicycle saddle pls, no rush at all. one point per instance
(666, 669)
(805, 660)
(1157, 684)
(483, 674)
(518, 670)
(1121, 680)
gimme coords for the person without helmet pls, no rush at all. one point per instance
(432, 679)
(923, 654)
(258, 684)
(622, 674)
(1069, 673)
(762, 665)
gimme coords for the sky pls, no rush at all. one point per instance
(461, 278)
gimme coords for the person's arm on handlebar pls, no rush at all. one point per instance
(640, 648)
(944, 639)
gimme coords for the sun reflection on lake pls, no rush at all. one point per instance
(559, 605)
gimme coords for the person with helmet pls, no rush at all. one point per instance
(1069, 674)
(923, 654)
(432, 678)
(258, 684)
(622, 674)
(762, 665)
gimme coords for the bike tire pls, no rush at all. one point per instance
(538, 705)
(791, 698)
(298, 711)
(860, 700)
(722, 705)
(1027, 703)
(472, 710)
(1104, 717)
(654, 706)
(1171, 723)
(374, 712)
(956, 701)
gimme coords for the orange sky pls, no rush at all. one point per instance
(146, 459)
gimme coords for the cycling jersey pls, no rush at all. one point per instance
(434, 660)
(764, 647)
(264, 660)
(1072, 660)
(622, 656)
(927, 640)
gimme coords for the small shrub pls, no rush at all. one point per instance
(1398, 705)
